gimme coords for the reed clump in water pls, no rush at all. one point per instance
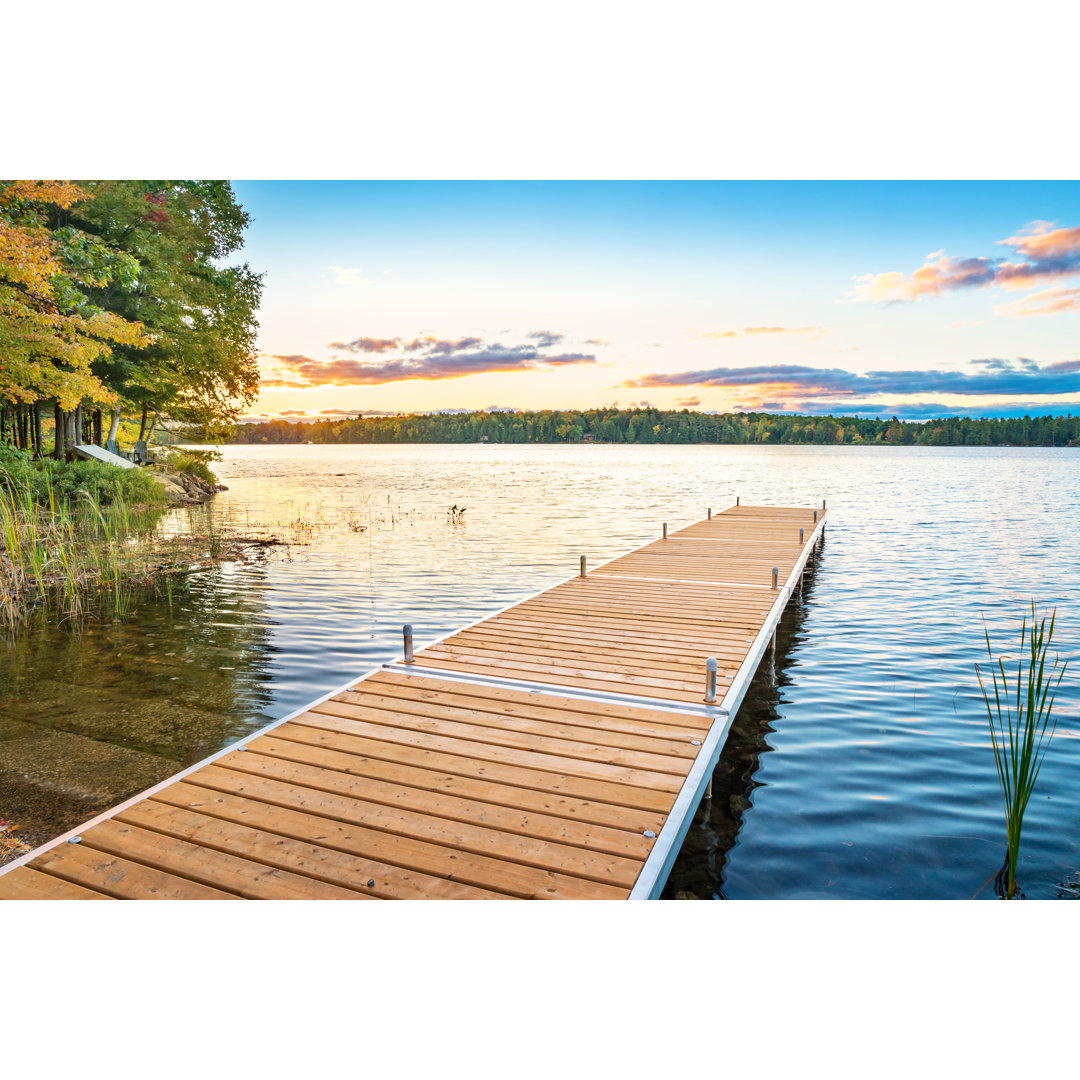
(1022, 723)
(53, 549)
(60, 542)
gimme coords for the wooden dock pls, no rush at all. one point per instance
(557, 749)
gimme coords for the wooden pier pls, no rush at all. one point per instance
(557, 749)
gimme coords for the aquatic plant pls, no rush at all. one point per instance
(1022, 724)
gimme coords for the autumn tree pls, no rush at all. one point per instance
(52, 334)
(202, 367)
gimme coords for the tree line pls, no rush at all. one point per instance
(115, 299)
(667, 426)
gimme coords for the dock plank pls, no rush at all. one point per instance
(26, 883)
(121, 878)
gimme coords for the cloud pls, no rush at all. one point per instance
(597, 341)
(546, 338)
(689, 403)
(1048, 302)
(1044, 253)
(757, 331)
(293, 412)
(426, 357)
(993, 376)
(350, 275)
(363, 344)
(279, 384)
(926, 410)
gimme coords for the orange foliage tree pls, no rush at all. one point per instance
(50, 333)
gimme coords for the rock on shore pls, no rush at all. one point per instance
(183, 489)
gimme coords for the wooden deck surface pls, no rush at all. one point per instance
(424, 782)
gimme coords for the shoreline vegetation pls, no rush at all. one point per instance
(647, 425)
(116, 302)
(69, 530)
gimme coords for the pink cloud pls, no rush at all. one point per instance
(755, 331)
(1047, 302)
(1046, 253)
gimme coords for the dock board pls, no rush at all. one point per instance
(555, 750)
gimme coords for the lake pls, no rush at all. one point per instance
(859, 765)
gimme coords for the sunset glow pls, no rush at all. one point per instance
(819, 297)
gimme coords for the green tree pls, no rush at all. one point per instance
(201, 368)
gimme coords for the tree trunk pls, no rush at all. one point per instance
(38, 451)
(97, 427)
(142, 426)
(61, 424)
(24, 427)
(150, 430)
(114, 425)
(71, 429)
(3, 425)
(75, 434)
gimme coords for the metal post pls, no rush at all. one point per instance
(736, 500)
(582, 565)
(406, 632)
(710, 514)
(822, 504)
(665, 530)
(815, 517)
(776, 577)
(710, 681)
(801, 533)
(708, 788)
(774, 644)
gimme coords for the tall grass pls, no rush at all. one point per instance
(52, 549)
(1022, 723)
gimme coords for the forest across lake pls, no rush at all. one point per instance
(666, 426)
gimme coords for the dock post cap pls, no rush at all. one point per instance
(775, 577)
(582, 565)
(710, 681)
(406, 633)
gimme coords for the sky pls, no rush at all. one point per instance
(917, 299)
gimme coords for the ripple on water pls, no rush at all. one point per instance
(862, 771)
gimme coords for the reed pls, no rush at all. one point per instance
(1022, 723)
(54, 548)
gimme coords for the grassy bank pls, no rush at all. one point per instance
(70, 528)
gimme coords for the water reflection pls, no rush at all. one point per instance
(95, 711)
(864, 771)
(698, 872)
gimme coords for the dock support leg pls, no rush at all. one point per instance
(708, 788)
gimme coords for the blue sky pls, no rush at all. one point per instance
(387, 296)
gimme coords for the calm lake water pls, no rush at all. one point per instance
(860, 768)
